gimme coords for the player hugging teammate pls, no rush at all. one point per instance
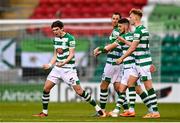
(137, 65)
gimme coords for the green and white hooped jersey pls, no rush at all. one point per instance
(116, 52)
(129, 61)
(66, 42)
(142, 52)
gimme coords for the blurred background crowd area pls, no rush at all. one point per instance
(26, 46)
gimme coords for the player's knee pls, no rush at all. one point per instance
(148, 85)
(138, 90)
(117, 88)
(104, 85)
(46, 89)
(78, 91)
(129, 85)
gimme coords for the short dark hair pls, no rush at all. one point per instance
(117, 13)
(123, 21)
(136, 12)
(57, 24)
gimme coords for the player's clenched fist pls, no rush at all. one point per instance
(152, 68)
(60, 64)
(96, 52)
(119, 61)
(47, 66)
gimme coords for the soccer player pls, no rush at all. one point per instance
(140, 47)
(64, 68)
(128, 65)
(112, 71)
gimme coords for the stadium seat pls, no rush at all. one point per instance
(177, 39)
(80, 9)
(140, 2)
(40, 11)
(168, 40)
(44, 2)
(55, 2)
(51, 10)
(170, 69)
(127, 1)
(37, 16)
(94, 8)
(47, 32)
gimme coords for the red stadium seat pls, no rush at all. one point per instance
(101, 2)
(40, 11)
(127, 1)
(42, 2)
(55, 2)
(140, 2)
(91, 3)
(47, 32)
(37, 16)
(66, 2)
(50, 16)
(84, 8)
(51, 10)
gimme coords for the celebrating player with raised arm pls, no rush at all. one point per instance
(64, 68)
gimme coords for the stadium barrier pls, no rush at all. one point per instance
(166, 92)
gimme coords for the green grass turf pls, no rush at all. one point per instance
(82, 112)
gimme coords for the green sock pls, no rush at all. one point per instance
(153, 99)
(45, 100)
(125, 104)
(132, 97)
(88, 98)
(120, 100)
(103, 98)
(145, 99)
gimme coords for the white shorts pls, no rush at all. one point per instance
(143, 73)
(126, 73)
(68, 75)
(112, 73)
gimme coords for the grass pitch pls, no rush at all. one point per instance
(79, 112)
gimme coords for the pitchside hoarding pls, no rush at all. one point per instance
(32, 92)
(166, 92)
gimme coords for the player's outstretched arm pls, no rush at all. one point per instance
(52, 62)
(105, 49)
(96, 52)
(109, 47)
(131, 49)
(121, 39)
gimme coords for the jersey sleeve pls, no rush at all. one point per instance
(119, 42)
(72, 42)
(115, 33)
